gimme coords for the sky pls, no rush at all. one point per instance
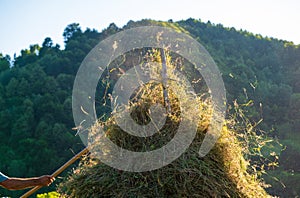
(24, 23)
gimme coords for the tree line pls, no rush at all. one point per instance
(36, 120)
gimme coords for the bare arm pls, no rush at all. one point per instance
(22, 183)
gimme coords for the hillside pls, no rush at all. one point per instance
(35, 96)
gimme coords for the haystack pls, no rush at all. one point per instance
(223, 172)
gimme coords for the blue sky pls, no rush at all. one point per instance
(31, 21)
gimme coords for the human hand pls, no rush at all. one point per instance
(46, 180)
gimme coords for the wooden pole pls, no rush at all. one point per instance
(165, 80)
(58, 171)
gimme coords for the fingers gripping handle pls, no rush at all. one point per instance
(57, 172)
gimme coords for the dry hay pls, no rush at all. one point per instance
(221, 173)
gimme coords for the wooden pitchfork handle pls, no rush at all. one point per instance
(58, 171)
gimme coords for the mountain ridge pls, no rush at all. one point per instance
(262, 70)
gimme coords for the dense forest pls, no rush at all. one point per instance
(36, 88)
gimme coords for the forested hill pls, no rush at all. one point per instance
(36, 136)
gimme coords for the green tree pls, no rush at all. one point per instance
(4, 62)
